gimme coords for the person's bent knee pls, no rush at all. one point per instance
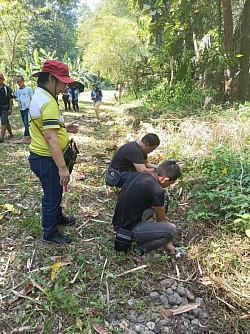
(172, 229)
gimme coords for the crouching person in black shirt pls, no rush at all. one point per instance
(140, 192)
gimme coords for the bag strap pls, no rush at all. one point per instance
(122, 221)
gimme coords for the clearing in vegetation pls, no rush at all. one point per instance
(86, 287)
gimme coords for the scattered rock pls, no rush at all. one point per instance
(195, 323)
(139, 328)
(169, 291)
(166, 283)
(151, 325)
(154, 295)
(189, 295)
(200, 302)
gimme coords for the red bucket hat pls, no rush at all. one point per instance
(58, 69)
(2, 76)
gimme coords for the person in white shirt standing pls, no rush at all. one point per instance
(24, 94)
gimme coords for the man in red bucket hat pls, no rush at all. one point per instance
(49, 137)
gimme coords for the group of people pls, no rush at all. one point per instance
(71, 95)
(142, 183)
(142, 194)
(23, 94)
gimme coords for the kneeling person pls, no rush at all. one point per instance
(140, 192)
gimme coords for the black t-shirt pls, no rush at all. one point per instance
(5, 98)
(126, 155)
(139, 192)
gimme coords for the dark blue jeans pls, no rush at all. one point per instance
(25, 118)
(47, 172)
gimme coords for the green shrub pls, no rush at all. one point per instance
(184, 95)
(222, 189)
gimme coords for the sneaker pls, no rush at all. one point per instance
(56, 238)
(65, 221)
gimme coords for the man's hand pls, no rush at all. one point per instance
(72, 127)
(171, 248)
(10, 112)
(64, 176)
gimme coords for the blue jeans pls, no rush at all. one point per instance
(25, 118)
(150, 235)
(47, 172)
(4, 114)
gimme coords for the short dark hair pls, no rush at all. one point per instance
(169, 169)
(151, 139)
(19, 76)
(43, 78)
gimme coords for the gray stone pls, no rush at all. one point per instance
(204, 315)
(167, 330)
(154, 316)
(186, 323)
(154, 295)
(163, 322)
(191, 317)
(200, 302)
(141, 318)
(174, 286)
(161, 308)
(164, 298)
(181, 291)
(178, 297)
(130, 302)
(175, 299)
(184, 300)
(134, 313)
(196, 312)
(148, 332)
(132, 318)
(195, 323)
(131, 332)
(166, 283)
(189, 295)
(172, 300)
(169, 291)
(139, 328)
(150, 325)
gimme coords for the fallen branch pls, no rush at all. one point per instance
(132, 270)
(75, 277)
(78, 228)
(106, 260)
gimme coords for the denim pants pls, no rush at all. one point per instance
(47, 172)
(150, 235)
(4, 114)
(25, 118)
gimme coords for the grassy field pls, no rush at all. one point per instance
(70, 289)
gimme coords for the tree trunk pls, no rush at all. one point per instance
(229, 44)
(244, 77)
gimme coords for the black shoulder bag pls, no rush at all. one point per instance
(112, 176)
(70, 154)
